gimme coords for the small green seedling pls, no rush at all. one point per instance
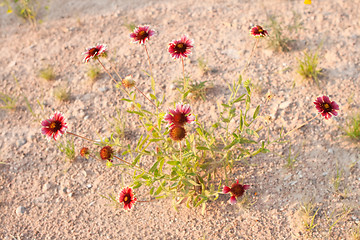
(62, 94)
(47, 73)
(7, 102)
(352, 128)
(308, 67)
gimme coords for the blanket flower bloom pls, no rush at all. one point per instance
(54, 126)
(181, 48)
(258, 32)
(85, 152)
(177, 133)
(127, 197)
(180, 115)
(326, 107)
(100, 50)
(236, 190)
(106, 153)
(141, 34)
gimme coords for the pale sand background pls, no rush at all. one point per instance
(58, 202)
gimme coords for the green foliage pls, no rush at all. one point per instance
(352, 128)
(307, 214)
(7, 102)
(130, 26)
(194, 90)
(93, 73)
(308, 67)
(68, 147)
(62, 94)
(203, 65)
(47, 73)
(277, 40)
(290, 159)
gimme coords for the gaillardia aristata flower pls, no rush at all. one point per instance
(181, 48)
(236, 190)
(127, 197)
(141, 34)
(258, 32)
(100, 50)
(326, 107)
(54, 126)
(180, 115)
(177, 133)
(106, 153)
(128, 81)
(85, 152)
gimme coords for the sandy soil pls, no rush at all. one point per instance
(62, 200)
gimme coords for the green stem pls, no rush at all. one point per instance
(147, 53)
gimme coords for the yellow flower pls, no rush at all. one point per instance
(307, 1)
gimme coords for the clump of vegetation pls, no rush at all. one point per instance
(352, 128)
(26, 9)
(7, 102)
(307, 214)
(195, 89)
(93, 73)
(47, 73)
(308, 67)
(68, 148)
(203, 66)
(62, 93)
(277, 40)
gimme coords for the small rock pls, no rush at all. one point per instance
(330, 150)
(293, 183)
(65, 190)
(21, 142)
(89, 186)
(172, 86)
(86, 117)
(103, 89)
(325, 173)
(20, 210)
(46, 187)
(92, 203)
(71, 194)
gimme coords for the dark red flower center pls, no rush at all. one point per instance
(106, 153)
(143, 34)
(179, 119)
(55, 126)
(237, 190)
(180, 47)
(177, 133)
(93, 51)
(326, 107)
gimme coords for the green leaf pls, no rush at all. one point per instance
(154, 167)
(235, 141)
(256, 112)
(153, 96)
(137, 185)
(136, 160)
(155, 139)
(239, 99)
(136, 112)
(225, 105)
(174, 163)
(202, 148)
(158, 191)
(125, 99)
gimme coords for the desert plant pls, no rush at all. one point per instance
(47, 73)
(352, 128)
(93, 73)
(68, 148)
(308, 67)
(62, 94)
(277, 40)
(308, 214)
(203, 65)
(7, 101)
(337, 216)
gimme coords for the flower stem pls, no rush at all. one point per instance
(88, 139)
(107, 71)
(147, 53)
(251, 54)
(296, 128)
(183, 68)
(146, 97)
(122, 160)
(180, 151)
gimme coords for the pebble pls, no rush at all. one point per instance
(71, 194)
(21, 142)
(92, 203)
(172, 86)
(20, 210)
(86, 117)
(89, 186)
(46, 187)
(293, 183)
(330, 150)
(103, 89)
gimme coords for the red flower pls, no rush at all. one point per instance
(127, 197)
(106, 153)
(177, 133)
(85, 152)
(236, 190)
(181, 48)
(100, 50)
(141, 34)
(258, 32)
(325, 106)
(54, 126)
(180, 115)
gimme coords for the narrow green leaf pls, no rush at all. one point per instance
(174, 163)
(202, 148)
(256, 112)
